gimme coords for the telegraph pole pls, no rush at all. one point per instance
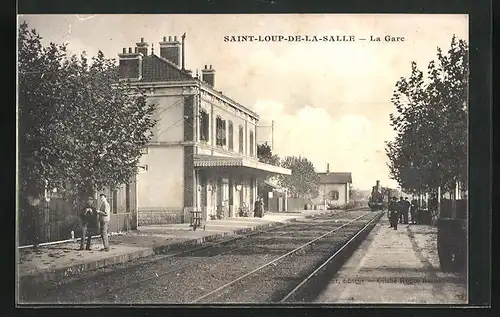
(272, 135)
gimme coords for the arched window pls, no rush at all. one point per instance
(251, 144)
(334, 195)
(204, 125)
(230, 132)
(240, 139)
(221, 132)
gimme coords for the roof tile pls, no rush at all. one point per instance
(155, 68)
(335, 178)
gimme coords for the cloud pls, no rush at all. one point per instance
(348, 144)
(77, 47)
(330, 101)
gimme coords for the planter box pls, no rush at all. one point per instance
(424, 217)
(452, 244)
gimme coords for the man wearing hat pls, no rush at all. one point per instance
(393, 213)
(104, 213)
(88, 220)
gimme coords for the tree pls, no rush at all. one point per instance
(352, 191)
(80, 128)
(304, 181)
(265, 155)
(430, 148)
(448, 88)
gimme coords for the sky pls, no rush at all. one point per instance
(330, 101)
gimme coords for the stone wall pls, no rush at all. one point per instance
(159, 217)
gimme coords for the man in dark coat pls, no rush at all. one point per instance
(401, 207)
(406, 210)
(393, 213)
(88, 220)
(413, 211)
(258, 208)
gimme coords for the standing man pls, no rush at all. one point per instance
(401, 206)
(406, 210)
(88, 220)
(413, 211)
(104, 217)
(393, 213)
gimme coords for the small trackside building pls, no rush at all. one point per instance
(333, 189)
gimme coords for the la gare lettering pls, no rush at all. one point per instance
(387, 38)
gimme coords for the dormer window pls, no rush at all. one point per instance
(220, 126)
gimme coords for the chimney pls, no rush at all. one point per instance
(183, 47)
(208, 75)
(170, 49)
(142, 47)
(130, 66)
(327, 168)
(378, 183)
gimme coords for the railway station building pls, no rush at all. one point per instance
(203, 154)
(333, 188)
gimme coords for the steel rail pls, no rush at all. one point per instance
(200, 248)
(276, 260)
(376, 218)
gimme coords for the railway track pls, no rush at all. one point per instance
(171, 266)
(303, 291)
(219, 249)
(213, 250)
(281, 272)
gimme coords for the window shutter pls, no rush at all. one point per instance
(224, 141)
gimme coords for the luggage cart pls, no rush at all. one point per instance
(196, 220)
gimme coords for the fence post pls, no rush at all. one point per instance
(36, 229)
(46, 222)
(439, 202)
(454, 202)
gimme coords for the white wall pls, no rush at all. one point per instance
(162, 185)
(170, 115)
(324, 192)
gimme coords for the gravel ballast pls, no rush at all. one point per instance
(186, 277)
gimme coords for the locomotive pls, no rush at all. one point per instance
(376, 200)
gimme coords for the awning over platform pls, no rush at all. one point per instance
(229, 161)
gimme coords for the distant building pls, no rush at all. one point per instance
(333, 189)
(203, 154)
(275, 196)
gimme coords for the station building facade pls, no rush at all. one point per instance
(203, 154)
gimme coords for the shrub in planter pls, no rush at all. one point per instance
(452, 244)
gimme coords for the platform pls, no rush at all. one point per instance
(396, 266)
(56, 263)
